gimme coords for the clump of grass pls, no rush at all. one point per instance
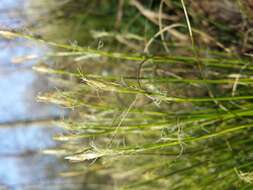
(199, 142)
(178, 115)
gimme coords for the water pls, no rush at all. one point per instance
(22, 166)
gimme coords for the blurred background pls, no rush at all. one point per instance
(25, 124)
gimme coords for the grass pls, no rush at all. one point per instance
(177, 115)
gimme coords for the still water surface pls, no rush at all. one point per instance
(22, 166)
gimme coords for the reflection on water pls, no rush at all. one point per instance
(11, 12)
(22, 166)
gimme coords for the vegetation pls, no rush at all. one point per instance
(159, 92)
